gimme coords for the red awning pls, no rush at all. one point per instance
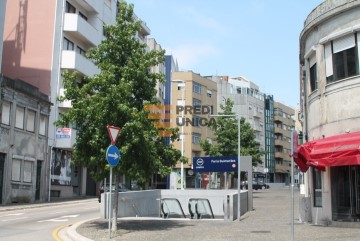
(339, 150)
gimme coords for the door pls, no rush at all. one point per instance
(38, 180)
(2, 164)
(345, 182)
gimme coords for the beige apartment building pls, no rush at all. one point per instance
(190, 90)
(283, 125)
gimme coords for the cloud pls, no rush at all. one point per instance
(189, 56)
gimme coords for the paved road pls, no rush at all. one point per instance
(37, 221)
(270, 220)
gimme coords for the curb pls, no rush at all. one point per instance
(40, 205)
(73, 235)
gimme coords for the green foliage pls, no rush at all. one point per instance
(117, 97)
(226, 132)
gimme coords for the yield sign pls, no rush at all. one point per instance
(113, 133)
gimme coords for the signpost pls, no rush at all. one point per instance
(113, 158)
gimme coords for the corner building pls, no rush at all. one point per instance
(330, 87)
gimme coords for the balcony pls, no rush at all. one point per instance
(282, 155)
(91, 5)
(282, 168)
(65, 138)
(65, 104)
(279, 131)
(74, 61)
(282, 143)
(81, 29)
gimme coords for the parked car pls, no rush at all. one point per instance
(256, 185)
(260, 185)
(121, 188)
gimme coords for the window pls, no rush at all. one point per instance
(195, 120)
(196, 87)
(80, 51)
(196, 138)
(341, 58)
(5, 113)
(196, 102)
(27, 171)
(19, 118)
(30, 122)
(209, 93)
(42, 127)
(313, 78)
(317, 187)
(83, 16)
(16, 170)
(69, 8)
(67, 44)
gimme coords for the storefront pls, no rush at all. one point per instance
(333, 185)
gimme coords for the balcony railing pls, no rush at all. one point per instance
(81, 29)
(75, 61)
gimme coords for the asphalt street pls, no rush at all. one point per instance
(38, 221)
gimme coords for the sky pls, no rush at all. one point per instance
(255, 39)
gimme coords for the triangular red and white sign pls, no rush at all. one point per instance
(113, 133)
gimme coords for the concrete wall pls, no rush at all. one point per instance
(147, 203)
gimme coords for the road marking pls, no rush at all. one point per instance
(59, 219)
(90, 208)
(56, 231)
(5, 220)
(12, 214)
(59, 212)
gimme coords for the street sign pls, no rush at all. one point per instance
(113, 155)
(215, 164)
(113, 133)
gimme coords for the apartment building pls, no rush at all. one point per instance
(37, 51)
(283, 125)
(248, 102)
(190, 90)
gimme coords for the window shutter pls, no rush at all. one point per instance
(312, 60)
(344, 43)
(328, 60)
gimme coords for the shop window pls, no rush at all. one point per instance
(317, 187)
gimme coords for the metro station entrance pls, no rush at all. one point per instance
(345, 182)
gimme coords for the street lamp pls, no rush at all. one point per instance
(239, 171)
(181, 83)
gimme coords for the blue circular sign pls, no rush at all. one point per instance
(113, 155)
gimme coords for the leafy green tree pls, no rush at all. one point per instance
(226, 132)
(116, 96)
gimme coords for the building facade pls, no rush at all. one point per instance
(248, 102)
(283, 125)
(190, 90)
(330, 87)
(38, 51)
(24, 119)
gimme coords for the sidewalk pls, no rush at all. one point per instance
(270, 220)
(53, 202)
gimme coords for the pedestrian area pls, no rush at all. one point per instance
(270, 220)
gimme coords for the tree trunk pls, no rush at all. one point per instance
(115, 203)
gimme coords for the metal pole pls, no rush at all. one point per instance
(239, 171)
(182, 136)
(292, 185)
(110, 201)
